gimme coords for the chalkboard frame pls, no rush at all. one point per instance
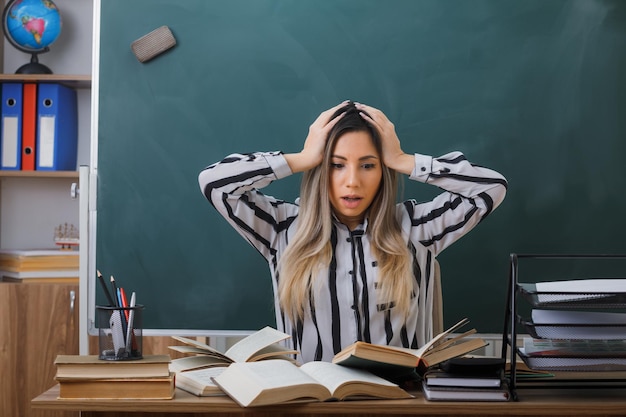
(531, 124)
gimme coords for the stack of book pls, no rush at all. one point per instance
(39, 265)
(88, 377)
(467, 379)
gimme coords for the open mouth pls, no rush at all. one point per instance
(351, 201)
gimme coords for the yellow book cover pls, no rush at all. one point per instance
(91, 367)
(156, 388)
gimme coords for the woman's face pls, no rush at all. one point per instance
(355, 177)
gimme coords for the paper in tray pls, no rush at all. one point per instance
(576, 293)
(556, 363)
(578, 325)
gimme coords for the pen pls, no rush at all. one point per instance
(121, 314)
(114, 285)
(131, 317)
(123, 301)
(106, 290)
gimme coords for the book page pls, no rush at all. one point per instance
(434, 342)
(244, 349)
(195, 351)
(200, 381)
(199, 345)
(332, 376)
(269, 382)
(197, 362)
(203, 376)
(274, 350)
(458, 349)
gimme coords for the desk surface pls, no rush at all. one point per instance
(548, 402)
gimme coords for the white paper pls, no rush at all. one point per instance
(596, 325)
(580, 289)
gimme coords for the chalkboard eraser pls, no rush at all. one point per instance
(153, 44)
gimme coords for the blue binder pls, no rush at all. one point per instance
(11, 130)
(57, 128)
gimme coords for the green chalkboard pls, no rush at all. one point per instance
(535, 89)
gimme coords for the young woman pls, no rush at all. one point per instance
(347, 261)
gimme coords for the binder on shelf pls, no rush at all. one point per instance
(57, 128)
(11, 150)
(29, 126)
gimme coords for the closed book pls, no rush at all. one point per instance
(81, 367)
(26, 260)
(472, 372)
(200, 381)
(433, 393)
(155, 388)
(439, 378)
(40, 276)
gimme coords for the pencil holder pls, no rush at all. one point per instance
(119, 332)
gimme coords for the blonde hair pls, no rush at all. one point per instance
(310, 249)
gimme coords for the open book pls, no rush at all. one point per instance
(392, 360)
(276, 381)
(262, 344)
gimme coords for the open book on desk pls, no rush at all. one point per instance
(268, 382)
(392, 361)
(260, 345)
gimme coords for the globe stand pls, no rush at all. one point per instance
(33, 67)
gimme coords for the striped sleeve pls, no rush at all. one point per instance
(471, 193)
(232, 187)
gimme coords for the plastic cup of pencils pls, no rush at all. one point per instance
(119, 332)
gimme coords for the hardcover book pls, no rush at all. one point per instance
(439, 393)
(156, 388)
(18, 260)
(439, 378)
(82, 367)
(390, 360)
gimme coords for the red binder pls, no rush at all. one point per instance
(29, 126)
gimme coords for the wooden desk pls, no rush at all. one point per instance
(532, 402)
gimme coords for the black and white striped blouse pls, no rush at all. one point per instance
(345, 308)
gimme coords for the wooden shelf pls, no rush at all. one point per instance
(38, 174)
(74, 81)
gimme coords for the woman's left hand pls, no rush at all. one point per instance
(393, 156)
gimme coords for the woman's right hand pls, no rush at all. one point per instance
(312, 152)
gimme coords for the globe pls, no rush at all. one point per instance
(32, 26)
